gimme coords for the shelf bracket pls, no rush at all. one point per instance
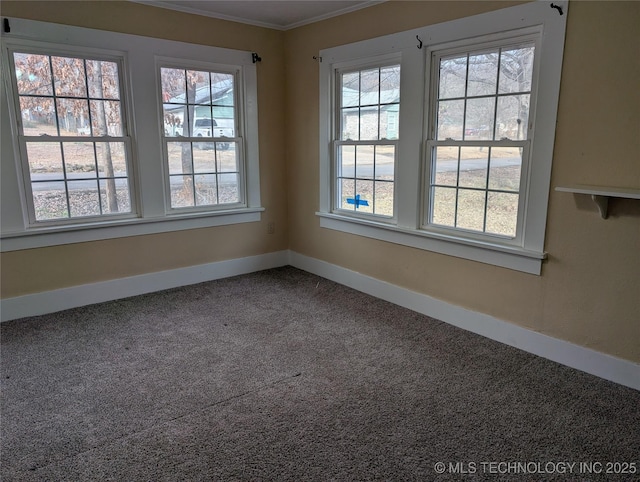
(600, 195)
(603, 205)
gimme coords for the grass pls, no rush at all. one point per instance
(456, 202)
(501, 212)
(56, 161)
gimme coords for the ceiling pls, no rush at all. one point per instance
(280, 15)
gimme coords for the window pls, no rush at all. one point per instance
(144, 137)
(480, 138)
(72, 136)
(199, 124)
(365, 146)
(454, 155)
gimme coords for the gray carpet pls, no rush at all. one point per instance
(282, 375)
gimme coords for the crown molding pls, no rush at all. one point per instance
(257, 23)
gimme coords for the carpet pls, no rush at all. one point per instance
(283, 375)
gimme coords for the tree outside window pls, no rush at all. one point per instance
(73, 136)
(481, 130)
(202, 147)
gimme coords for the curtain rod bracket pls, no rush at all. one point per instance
(255, 57)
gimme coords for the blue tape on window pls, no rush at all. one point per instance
(357, 201)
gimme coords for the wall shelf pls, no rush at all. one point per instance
(601, 194)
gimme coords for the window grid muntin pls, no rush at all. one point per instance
(360, 105)
(50, 52)
(218, 172)
(487, 190)
(471, 49)
(218, 142)
(374, 179)
(53, 96)
(523, 146)
(190, 106)
(67, 178)
(525, 41)
(340, 141)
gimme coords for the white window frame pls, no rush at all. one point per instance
(529, 35)
(40, 48)
(526, 253)
(340, 68)
(236, 71)
(147, 179)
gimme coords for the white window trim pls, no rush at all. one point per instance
(50, 49)
(147, 178)
(411, 166)
(234, 70)
(379, 61)
(532, 35)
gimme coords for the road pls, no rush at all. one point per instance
(49, 182)
(386, 169)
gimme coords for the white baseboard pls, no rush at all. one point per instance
(75, 296)
(605, 366)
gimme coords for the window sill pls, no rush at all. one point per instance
(510, 257)
(39, 237)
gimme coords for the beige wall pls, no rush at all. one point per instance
(589, 290)
(36, 270)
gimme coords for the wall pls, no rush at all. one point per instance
(36, 270)
(589, 290)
